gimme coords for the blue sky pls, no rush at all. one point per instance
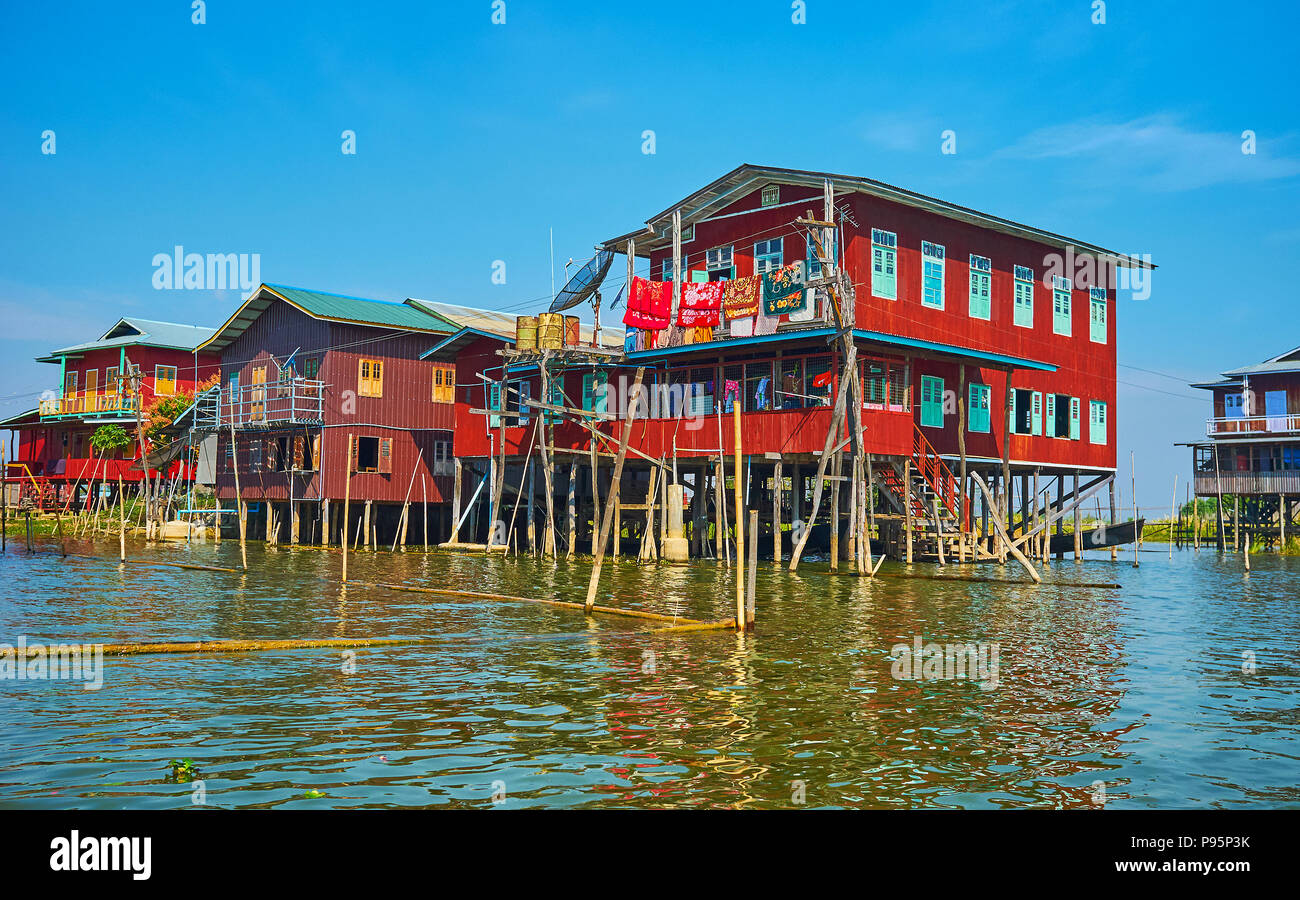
(474, 139)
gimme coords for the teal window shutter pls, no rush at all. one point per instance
(1012, 430)
(601, 397)
(1097, 423)
(1050, 424)
(981, 275)
(931, 401)
(525, 393)
(494, 402)
(932, 264)
(1074, 418)
(1024, 297)
(979, 408)
(588, 392)
(1037, 427)
(556, 398)
(884, 264)
(1061, 303)
(1097, 315)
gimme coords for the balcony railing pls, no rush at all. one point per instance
(1284, 424)
(292, 401)
(88, 405)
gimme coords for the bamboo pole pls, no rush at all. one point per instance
(1137, 530)
(424, 496)
(938, 530)
(740, 521)
(1173, 509)
(1002, 531)
(4, 500)
(607, 519)
(347, 503)
(752, 579)
(832, 435)
(406, 504)
(121, 503)
(962, 513)
(776, 515)
(837, 472)
(647, 535)
(573, 505)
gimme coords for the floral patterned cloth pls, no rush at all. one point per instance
(701, 303)
(740, 296)
(783, 290)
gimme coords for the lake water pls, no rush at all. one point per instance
(1133, 697)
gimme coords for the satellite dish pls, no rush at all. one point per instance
(582, 285)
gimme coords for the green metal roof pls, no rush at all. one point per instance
(329, 307)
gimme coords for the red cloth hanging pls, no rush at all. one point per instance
(649, 304)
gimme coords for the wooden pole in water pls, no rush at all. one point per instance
(424, 496)
(1137, 528)
(907, 506)
(832, 438)
(1173, 511)
(406, 504)
(595, 494)
(647, 534)
(837, 471)
(347, 502)
(573, 505)
(607, 519)
(938, 532)
(121, 534)
(1078, 522)
(961, 450)
(4, 500)
(1001, 528)
(240, 506)
(740, 521)
(1236, 522)
(777, 480)
(752, 581)
(455, 504)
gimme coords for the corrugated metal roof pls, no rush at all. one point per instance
(329, 307)
(747, 177)
(129, 332)
(503, 324)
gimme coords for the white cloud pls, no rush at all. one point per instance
(1156, 153)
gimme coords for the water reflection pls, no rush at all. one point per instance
(1140, 690)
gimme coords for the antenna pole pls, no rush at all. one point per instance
(552, 233)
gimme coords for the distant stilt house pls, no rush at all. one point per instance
(1251, 449)
(112, 380)
(984, 352)
(303, 373)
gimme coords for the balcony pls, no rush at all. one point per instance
(292, 401)
(1249, 425)
(110, 404)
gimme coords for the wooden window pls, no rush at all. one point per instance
(370, 378)
(931, 401)
(720, 263)
(1061, 302)
(1049, 421)
(311, 367)
(1097, 423)
(1097, 315)
(164, 380)
(517, 396)
(595, 391)
(444, 383)
(92, 381)
(1036, 426)
(978, 418)
(385, 456)
(813, 265)
(981, 292)
(768, 256)
(1022, 411)
(70, 384)
(111, 384)
(932, 264)
(258, 393)
(556, 398)
(369, 455)
(1024, 297)
(1074, 418)
(771, 195)
(494, 402)
(884, 264)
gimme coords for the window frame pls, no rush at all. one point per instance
(770, 195)
(763, 262)
(366, 385)
(979, 397)
(1062, 305)
(980, 287)
(1023, 282)
(1097, 301)
(1095, 422)
(884, 263)
(935, 383)
(933, 254)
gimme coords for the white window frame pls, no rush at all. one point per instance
(932, 256)
(887, 244)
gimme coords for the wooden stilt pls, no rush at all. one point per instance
(573, 506)
(240, 505)
(633, 400)
(963, 515)
(751, 585)
(740, 521)
(837, 471)
(832, 438)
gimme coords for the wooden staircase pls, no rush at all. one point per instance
(930, 479)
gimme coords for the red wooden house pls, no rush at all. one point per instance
(98, 386)
(959, 317)
(313, 381)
